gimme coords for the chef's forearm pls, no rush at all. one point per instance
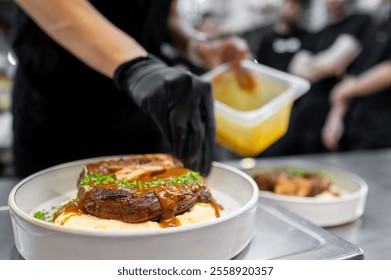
(375, 79)
(82, 30)
(180, 39)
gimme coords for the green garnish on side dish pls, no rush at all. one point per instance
(297, 172)
(186, 180)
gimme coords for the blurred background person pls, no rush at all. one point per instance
(186, 51)
(325, 61)
(360, 117)
(285, 38)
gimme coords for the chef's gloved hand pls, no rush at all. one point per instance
(180, 103)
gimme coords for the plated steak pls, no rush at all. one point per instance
(153, 187)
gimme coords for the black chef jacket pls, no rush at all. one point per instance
(63, 110)
(276, 49)
(312, 109)
(368, 122)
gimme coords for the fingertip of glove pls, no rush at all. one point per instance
(205, 170)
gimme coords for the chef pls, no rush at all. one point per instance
(360, 116)
(286, 38)
(333, 50)
(88, 85)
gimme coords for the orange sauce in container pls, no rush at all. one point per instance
(237, 126)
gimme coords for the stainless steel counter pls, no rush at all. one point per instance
(372, 232)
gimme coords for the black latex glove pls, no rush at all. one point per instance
(180, 103)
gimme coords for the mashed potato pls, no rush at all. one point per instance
(200, 212)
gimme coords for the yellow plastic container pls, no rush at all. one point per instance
(249, 122)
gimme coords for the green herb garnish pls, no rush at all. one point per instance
(297, 172)
(189, 178)
(44, 216)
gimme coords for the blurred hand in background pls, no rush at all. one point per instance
(214, 53)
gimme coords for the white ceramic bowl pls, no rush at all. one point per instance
(222, 238)
(320, 211)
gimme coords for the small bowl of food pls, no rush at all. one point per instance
(135, 207)
(326, 196)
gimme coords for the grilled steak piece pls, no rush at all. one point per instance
(266, 181)
(282, 182)
(318, 184)
(140, 188)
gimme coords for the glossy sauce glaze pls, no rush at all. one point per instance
(167, 185)
(69, 209)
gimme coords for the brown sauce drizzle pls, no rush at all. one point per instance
(170, 222)
(216, 207)
(169, 195)
(70, 208)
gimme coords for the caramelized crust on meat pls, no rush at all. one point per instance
(160, 202)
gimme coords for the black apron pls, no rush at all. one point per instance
(63, 110)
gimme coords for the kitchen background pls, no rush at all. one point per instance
(315, 18)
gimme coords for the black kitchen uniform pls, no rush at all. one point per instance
(312, 109)
(276, 50)
(368, 121)
(63, 110)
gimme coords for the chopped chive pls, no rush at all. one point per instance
(184, 180)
